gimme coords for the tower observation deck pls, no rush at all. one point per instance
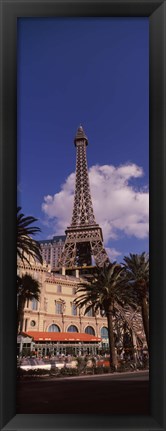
(84, 238)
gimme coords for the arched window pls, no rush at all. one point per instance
(53, 328)
(104, 332)
(72, 328)
(89, 330)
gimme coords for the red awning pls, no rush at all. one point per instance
(62, 336)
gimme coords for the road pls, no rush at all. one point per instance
(126, 393)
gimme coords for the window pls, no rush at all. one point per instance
(53, 328)
(74, 310)
(104, 332)
(59, 288)
(33, 323)
(34, 304)
(90, 313)
(72, 328)
(74, 290)
(102, 313)
(58, 307)
(89, 330)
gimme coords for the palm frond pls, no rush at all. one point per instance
(137, 274)
(28, 287)
(26, 245)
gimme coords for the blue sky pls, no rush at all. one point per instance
(94, 72)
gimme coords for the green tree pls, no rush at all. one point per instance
(106, 289)
(27, 289)
(137, 276)
(26, 246)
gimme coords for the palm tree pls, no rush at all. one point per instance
(105, 291)
(26, 245)
(137, 273)
(27, 289)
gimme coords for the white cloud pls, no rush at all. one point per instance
(118, 206)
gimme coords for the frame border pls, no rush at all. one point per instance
(10, 10)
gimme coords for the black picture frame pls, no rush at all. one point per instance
(9, 12)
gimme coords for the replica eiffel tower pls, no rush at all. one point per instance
(84, 238)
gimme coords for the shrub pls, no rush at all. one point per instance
(81, 363)
(54, 372)
(102, 370)
(33, 372)
(107, 370)
(99, 370)
(68, 372)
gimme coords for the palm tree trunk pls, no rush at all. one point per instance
(145, 319)
(109, 315)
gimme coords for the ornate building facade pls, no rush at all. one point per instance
(56, 311)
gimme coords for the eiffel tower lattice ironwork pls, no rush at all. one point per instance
(84, 236)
